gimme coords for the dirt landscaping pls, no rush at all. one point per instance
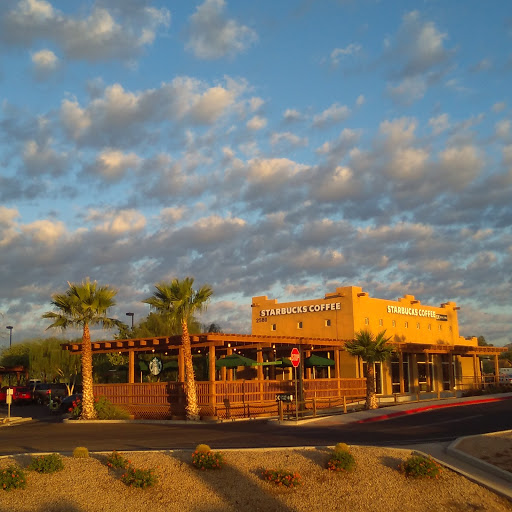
(375, 485)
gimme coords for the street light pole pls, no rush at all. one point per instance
(10, 327)
(132, 315)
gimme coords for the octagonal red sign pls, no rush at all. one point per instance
(295, 357)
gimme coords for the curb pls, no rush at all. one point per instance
(430, 408)
(476, 462)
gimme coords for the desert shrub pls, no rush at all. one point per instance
(47, 463)
(203, 448)
(105, 410)
(116, 460)
(341, 460)
(12, 477)
(341, 447)
(80, 452)
(207, 459)
(419, 466)
(141, 478)
(282, 477)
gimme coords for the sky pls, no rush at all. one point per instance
(264, 148)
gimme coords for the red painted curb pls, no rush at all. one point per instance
(430, 407)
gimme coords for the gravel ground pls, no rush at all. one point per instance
(375, 485)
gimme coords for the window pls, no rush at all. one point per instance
(381, 322)
(417, 325)
(299, 325)
(439, 326)
(328, 323)
(429, 327)
(406, 324)
(273, 327)
(393, 323)
(366, 321)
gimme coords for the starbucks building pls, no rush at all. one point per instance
(430, 355)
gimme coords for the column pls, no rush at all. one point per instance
(211, 378)
(401, 371)
(131, 367)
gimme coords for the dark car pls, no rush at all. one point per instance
(43, 392)
(67, 403)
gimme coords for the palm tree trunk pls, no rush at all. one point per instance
(371, 397)
(190, 382)
(88, 411)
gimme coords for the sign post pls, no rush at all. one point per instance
(295, 359)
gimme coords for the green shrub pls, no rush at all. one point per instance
(341, 460)
(116, 460)
(419, 466)
(47, 463)
(207, 459)
(12, 477)
(341, 447)
(282, 477)
(105, 410)
(80, 452)
(139, 477)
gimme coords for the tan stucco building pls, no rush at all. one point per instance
(430, 353)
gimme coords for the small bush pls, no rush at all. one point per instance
(203, 448)
(282, 477)
(47, 463)
(207, 459)
(116, 460)
(341, 447)
(80, 452)
(12, 477)
(105, 410)
(341, 460)
(418, 466)
(141, 478)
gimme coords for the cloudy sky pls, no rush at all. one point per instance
(266, 148)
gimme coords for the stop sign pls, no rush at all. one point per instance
(295, 357)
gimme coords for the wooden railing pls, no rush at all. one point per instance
(243, 398)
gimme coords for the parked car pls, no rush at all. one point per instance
(44, 391)
(67, 403)
(21, 394)
(505, 375)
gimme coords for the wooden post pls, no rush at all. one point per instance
(280, 407)
(476, 370)
(401, 371)
(259, 372)
(314, 407)
(344, 404)
(211, 376)
(131, 367)
(496, 370)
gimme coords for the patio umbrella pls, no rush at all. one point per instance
(233, 361)
(314, 360)
(285, 362)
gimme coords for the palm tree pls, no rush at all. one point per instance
(370, 349)
(82, 305)
(179, 301)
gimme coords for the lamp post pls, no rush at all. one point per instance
(10, 327)
(131, 314)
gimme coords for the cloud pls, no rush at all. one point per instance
(45, 62)
(94, 36)
(45, 231)
(332, 115)
(117, 223)
(289, 139)
(112, 164)
(339, 53)
(256, 123)
(418, 46)
(291, 115)
(122, 118)
(212, 36)
(40, 159)
(408, 90)
(439, 124)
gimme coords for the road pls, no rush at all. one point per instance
(48, 434)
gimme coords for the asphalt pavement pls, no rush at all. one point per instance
(447, 453)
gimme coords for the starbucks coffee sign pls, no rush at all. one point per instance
(313, 308)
